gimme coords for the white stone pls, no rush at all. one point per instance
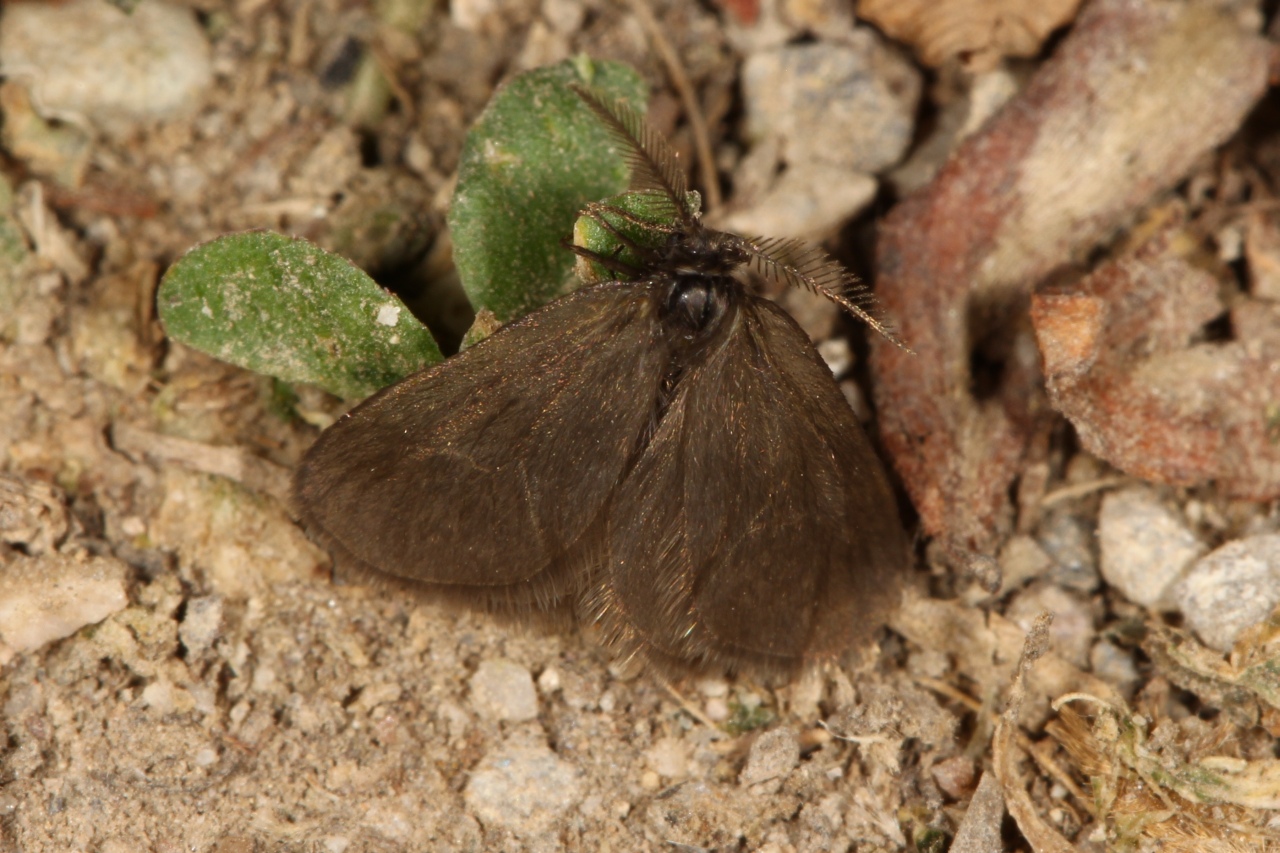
(775, 753)
(503, 690)
(88, 59)
(1145, 547)
(1231, 589)
(850, 105)
(811, 200)
(668, 757)
(523, 789)
(201, 624)
(47, 598)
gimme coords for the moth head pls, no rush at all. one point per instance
(702, 251)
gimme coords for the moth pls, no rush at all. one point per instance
(664, 457)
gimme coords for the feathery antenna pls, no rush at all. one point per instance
(653, 163)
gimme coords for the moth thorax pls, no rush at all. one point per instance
(702, 250)
(696, 303)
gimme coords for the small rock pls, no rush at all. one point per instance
(1262, 252)
(549, 681)
(667, 757)
(1232, 588)
(523, 789)
(956, 776)
(850, 105)
(1022, 560)
(775, 753)
(503, 690)
(716, 709)
(564, 16)
(158, 56)
(1114, 665)
(164, 697)
(201, 625)
(1145, 547)
(713, 687)
(374, 695)
(811, 200)
(1068, 539)
(51, 597)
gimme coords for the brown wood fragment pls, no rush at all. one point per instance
(1135, 94)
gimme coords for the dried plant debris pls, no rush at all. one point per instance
(984, 649)
(977, 32)
(1005, 751)
(1117, 114)
(1245, 685)
(1127, 362)
(1184, 785)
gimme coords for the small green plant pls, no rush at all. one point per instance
(286, 308)
(747, 717)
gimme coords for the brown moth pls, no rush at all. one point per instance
(664, 457)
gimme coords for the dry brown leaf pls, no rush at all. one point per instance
(980, 31)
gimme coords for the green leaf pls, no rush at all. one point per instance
(535, 156)
(286, 308)
(622, 212)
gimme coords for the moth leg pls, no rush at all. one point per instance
(609, 262)
(595, 208)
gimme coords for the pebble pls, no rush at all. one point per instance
(503, 690)
(774, 754)
(956, 776)
(850, 105)
(201, 625)
(51, 597)
(549, 681)
(1114, 665)
(523, 789)
(1145, 547)
(667, 757)
(716, 709)
(1022, 560)
(1231, 589)
(810, 200)
(164, 697)
(713, 687)
(158, 58)
(1068, 540)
